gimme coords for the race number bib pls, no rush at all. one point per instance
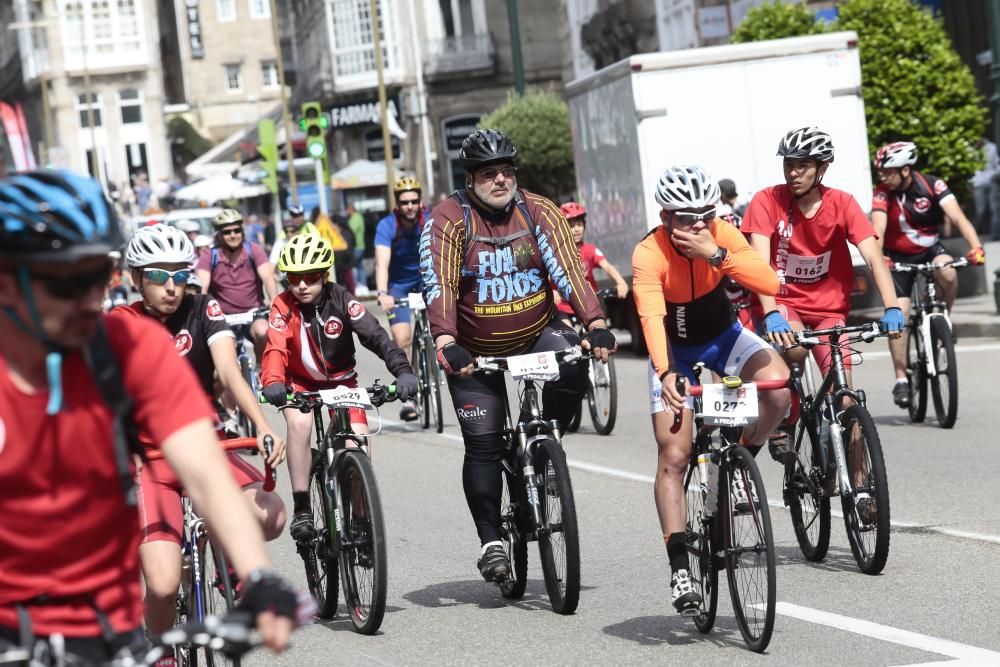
(346, 397)
(806, 269)
(239, 319)
(535, 366)
(729, 407)
(416, 300)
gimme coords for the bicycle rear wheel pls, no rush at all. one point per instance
(558, 539)
(513, 537)
(434, 403)
(916, 373)
(749, 549)
(944, 383)
(217, 587)
(807, 504)
(363, 553)
(699, 547)
(602, 395)
(185, 655)
(318, 554)
(868, 524)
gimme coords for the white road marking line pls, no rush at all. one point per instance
(606, 471)
(964, 652)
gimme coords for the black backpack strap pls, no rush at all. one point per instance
(108, 376)
(463, 199)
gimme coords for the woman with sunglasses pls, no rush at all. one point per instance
(160, 259)
(679, 271)
(310, 346)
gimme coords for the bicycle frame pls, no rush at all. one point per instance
(193, 534)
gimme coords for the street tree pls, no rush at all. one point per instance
(777, 20)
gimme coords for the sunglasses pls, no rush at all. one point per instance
(693, 218)
(161, 276)
(491, 174)
(309, 278)
(231, 231)
(409, 202)
(75, 285)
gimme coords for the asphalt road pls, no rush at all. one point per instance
(937, 601)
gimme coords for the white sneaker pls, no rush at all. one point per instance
(361, 290)
(739, 496)
(685, 598)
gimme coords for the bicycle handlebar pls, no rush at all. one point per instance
(491, 364)
(762, 385)
(866, 333)
(929, 267)
(232, 631)
(307, 401)
(237, 444)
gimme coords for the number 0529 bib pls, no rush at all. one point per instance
(807, 269)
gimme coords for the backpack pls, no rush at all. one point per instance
(107, 376)
(249, 255)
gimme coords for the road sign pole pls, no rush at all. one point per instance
(321, 187)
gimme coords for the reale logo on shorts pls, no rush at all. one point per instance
(469, 411)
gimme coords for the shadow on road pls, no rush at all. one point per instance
(342, 621)
(837, 559)
(481, 594)
(676, 631)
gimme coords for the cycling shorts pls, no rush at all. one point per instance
(821, 353)
(726, 355)
(903, 282)
(159, 495)
(400, 314)
(356, 415)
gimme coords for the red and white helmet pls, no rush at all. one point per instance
(573, 210)
(896, 155)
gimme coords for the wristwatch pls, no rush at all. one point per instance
(718, 258)
(381, 292)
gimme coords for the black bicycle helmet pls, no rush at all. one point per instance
(484, 147)
(55, 216)
(807, 142)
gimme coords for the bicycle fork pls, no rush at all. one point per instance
(837, 445)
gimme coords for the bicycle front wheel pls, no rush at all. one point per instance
(512, 535)
(419, 362)
(866, 506)
(808, 505)
(558, 539)
(698, 538)
(749, 548)
(602, 395)
(363, 552)
(916, 374)
(217, 587)
(944, 383)
(433, 403)
(318, 554)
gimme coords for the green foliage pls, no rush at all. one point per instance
(776, 20)
(186, 140)
(916, 87)
(538, 124)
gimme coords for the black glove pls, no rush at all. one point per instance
(275, 393)
(264, 591)
(406, 386)
(454, 358)
(600, 337)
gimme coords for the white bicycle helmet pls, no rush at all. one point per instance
(188, 226)
(807, 142)
(686, 186)
(896, 155)
(159, 244)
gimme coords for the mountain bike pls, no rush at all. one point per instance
(423, 358)
(348, 528)
(207, 581)
(930, 350)
(838, 453)
(240, 324)
(602, 383)
(537, 497)
(728, 521)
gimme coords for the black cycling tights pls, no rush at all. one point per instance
(479, 406)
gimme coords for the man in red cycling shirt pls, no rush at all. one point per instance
(69, 537)
(908, 209)
(591, 256)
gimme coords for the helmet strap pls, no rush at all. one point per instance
(53, 358)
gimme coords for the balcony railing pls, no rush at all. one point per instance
(463, 53)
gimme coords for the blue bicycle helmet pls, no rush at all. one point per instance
(52, 216)
(55, 216)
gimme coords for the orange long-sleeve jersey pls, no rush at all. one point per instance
(684, 300)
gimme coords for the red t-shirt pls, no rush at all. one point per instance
(65, 529)
(590, 257)
(235, 284)
(810, 256)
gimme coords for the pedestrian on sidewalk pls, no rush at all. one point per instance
(984, 191)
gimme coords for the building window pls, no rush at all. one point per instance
(130, 102)
(102, 33)
(128, 25)
(234, 78)
(353, 52)
(260, 9)
(82, 107)
(269, 73)
(225, 10)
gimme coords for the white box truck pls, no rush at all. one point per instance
(723, 107)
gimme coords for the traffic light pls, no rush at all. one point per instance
(268, 149)
(314, 123)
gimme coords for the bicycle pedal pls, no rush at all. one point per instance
(690, 612)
